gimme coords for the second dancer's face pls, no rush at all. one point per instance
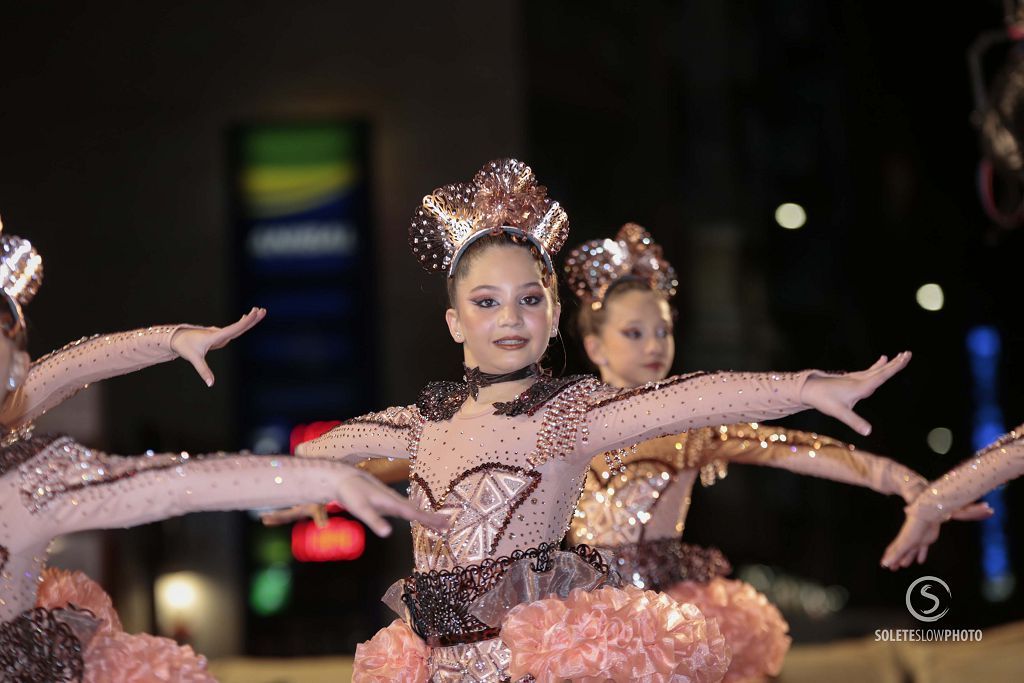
(503, 314)
(635, 345)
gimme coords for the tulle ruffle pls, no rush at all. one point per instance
(395, 653)
(60, 588)
(521, 584)
(111, 655)
(753, 627)
(141, 658)
(614, 634)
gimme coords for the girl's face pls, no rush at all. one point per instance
(635, 345)
(503, 314)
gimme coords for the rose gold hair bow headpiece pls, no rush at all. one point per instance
(21, 268)
(594, 266)
(503, 196)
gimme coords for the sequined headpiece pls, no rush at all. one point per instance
(594, 266)
(503, 197)
(21, 268)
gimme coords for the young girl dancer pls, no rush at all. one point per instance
(51, 485)
(639, 512)
(505, 452)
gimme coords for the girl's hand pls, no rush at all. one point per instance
(193, 344)
(836, 395)
(365, 498)
(912, 542)
(315, 511)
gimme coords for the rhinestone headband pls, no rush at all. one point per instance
(503, 197)
(594, 266)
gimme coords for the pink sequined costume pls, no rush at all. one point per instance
(640, 513)
(992, 466)
(51, 485)
(491, 597)
(510, 479)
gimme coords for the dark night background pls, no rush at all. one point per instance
(695, 119)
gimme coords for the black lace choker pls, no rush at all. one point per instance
(477, 379)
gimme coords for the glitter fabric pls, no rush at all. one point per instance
(439, 602)
(996, 464)
(503, 194)
(61, 374)
(36, 646)
(594, 266)
(656, 565)
(650, 498)
(477, 464)
(480, 503)
(21, 268)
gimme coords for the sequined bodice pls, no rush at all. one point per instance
(647, 501)
(651, 498)
(497, 505)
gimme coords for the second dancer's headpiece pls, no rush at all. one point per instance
(21, 273)
(593, 267)
(503, 197)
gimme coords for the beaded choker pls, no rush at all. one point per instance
(476, 379)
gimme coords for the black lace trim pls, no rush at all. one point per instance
(36, 647)
(542, 391)
(438, 601)
(441, 400)
(656, 565)
(12, 456)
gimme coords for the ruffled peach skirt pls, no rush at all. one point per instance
(607, 634)
(111, 655)
(753, 627)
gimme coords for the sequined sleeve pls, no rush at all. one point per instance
(60, 374)
(811, 454)
(990, 467)
(70, 487)
(618, 418)
(391, 433)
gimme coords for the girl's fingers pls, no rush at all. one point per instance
(199, 363)
(854, 421)
(368, 516)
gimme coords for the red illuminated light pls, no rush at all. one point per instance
(308, 432)
(341, 539)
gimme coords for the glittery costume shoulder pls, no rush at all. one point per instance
(53, 485)
(60, 374)
(649, 500)
(990, 467)
(510, 478)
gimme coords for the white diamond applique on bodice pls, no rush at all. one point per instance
(480, 503)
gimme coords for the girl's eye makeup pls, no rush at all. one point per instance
(631, 333)
(532, 299)
(484, 302)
